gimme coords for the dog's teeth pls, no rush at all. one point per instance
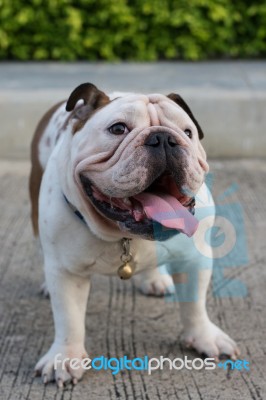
(127, 202)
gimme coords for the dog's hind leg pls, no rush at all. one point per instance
(155, 282)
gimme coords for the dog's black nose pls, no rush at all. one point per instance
(160, 139)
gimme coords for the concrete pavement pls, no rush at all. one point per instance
(228, 98)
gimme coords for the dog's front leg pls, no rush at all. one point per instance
(69, 294)
(199, 332)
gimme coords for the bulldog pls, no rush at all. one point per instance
(114, 187)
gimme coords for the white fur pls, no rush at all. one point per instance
(72, 253)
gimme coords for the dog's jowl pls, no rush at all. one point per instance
(115, 178)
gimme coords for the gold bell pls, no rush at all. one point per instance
(125, 271)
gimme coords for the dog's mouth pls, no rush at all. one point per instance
(157, 213)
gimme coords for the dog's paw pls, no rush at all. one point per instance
(211, 341)
(55, 365)
(44, 292)
(156, 282)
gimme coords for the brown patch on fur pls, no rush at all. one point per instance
(94, 99)
(90, 94)
(81, 122)
(36, 169)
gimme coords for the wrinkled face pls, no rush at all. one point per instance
(137, 156)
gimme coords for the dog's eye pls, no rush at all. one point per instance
(118, 129)
(188, 133)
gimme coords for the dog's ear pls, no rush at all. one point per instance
(92, 97)
(181, 102)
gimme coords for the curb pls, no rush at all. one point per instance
(228, 99)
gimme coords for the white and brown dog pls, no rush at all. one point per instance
(106, 169)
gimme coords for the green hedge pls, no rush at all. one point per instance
(131, 30)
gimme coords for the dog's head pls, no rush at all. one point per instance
(135, 155)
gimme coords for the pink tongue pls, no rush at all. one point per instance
(168, 211)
